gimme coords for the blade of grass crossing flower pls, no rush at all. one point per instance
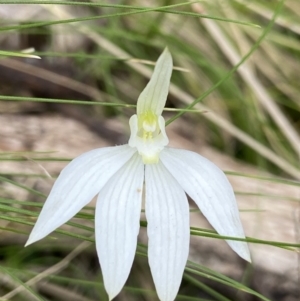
(208, 186)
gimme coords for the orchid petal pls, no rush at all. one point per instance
(167, 213)
(154, 96)
(76, 185)
(207, 185)
(117, 220)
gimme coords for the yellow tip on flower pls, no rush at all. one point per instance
(147, 124)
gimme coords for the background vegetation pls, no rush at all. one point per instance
(237, 79)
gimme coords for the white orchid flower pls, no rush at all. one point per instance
(117, 175)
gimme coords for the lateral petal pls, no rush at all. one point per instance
(76, 185)
(117, 220)
(153, 98)
(167, 213)
(208, 186)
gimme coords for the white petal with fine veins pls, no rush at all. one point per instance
(154, 96)
(207, 185)
(117, 222)
(76, 185)
(167, 213)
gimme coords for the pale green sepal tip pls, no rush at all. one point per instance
(153, 98)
